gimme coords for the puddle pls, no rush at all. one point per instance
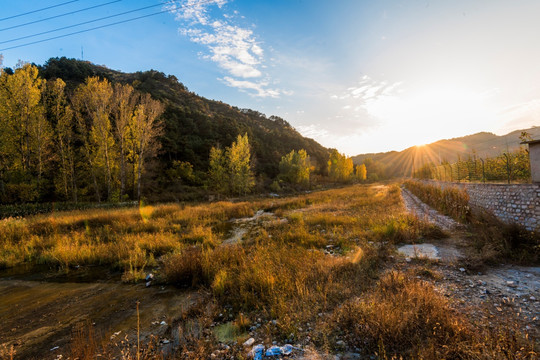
(428, 251)
(37, 316)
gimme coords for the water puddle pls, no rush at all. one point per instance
(427, 251)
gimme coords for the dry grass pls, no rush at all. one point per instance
(451, 201)
(319, 269)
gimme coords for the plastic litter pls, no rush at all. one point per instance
(257, 352)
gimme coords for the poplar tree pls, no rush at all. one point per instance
(64, 135)
(239, 161)
(218, 171)
(92, 101)
(295, 167)
(124, 103)
(144, 128)
(340, 167)
(361, 172)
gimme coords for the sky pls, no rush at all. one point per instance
(360, 76)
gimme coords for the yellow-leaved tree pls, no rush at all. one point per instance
(64, 135)
(123, 107)
(230, 170)
(340, 167)
(144, 128)
(295, 168)
(26, 136)
(92, 104)
(361, 172)
(239, 161)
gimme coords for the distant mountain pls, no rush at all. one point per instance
(482, 145)
(193, 123)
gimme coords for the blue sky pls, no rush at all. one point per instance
(357, 75)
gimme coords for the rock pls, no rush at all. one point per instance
(249, 342)
(340, 343)
(462, 269)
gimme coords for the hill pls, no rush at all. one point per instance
(80, 131)
(193, 123)
(483, 145)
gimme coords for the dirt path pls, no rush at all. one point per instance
(495, 294)
(423, 211)
(38, 317)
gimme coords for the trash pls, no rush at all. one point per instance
(277, 350)
(257, 352)
(149, 277)
(287, 349)
(249, 342)
(163, 323)
(54, 348)
(462, 269)
(165, 341)
(148, 283)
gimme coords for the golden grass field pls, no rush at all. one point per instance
(281, 273)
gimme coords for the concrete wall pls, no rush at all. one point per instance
(515, 203)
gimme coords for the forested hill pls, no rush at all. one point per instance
(193, 123)
(480, 145)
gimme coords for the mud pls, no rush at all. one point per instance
(38, 316)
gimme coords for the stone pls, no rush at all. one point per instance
(249, 342)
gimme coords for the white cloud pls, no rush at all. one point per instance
(233, 48)
(312, 131)
(254, 88)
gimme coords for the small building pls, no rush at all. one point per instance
(534, 158)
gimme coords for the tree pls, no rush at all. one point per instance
(124, 104)
(22, 116)
(295, 168)
(92, 101)
(239, 161)
(25, 133)
(218, 176)
(361, 172)
(144, 129)
(340, 167)
(61, 113)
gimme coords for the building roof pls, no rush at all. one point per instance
(531, 142)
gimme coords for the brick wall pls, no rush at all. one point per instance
(514, 203)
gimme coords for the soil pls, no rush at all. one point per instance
(40, 311)
(500, 294)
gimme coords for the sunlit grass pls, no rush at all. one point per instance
(319, 261)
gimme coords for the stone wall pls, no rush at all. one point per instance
(514, 203)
